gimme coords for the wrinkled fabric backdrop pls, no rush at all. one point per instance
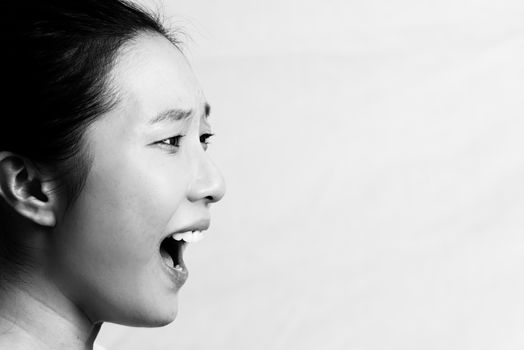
(373, 152)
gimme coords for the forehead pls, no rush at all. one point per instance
(151, 75)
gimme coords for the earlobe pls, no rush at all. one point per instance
(23, 188)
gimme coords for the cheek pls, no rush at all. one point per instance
(110, 238)
(131, 199)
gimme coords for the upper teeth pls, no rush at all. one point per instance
(190, 236)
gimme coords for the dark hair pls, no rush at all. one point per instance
(55, 61)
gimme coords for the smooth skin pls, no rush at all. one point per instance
(99, 260)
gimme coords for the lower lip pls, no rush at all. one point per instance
(178, 276)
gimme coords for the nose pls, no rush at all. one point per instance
(208, 183)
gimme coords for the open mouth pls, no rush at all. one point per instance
(173, 246)
(172, 253)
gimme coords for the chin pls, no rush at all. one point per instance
(159, 320)
(150, 318)
(164, 321)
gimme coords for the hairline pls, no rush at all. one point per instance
(81, 162)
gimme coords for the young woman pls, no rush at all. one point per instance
(104, 176)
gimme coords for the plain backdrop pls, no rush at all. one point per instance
(374, 157)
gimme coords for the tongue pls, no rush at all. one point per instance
(167, 258)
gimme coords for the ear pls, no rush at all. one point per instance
(23, 188)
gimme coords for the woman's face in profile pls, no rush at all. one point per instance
(150, 177)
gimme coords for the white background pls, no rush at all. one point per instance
(374, 156)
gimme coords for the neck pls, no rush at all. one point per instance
(34, 315)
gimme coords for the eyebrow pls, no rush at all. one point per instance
(178, 114)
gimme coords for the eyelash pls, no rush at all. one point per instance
(204, 140)
(176, 140)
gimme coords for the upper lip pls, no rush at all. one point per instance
(199, 225)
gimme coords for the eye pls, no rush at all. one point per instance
(171, 141)
(204, 140)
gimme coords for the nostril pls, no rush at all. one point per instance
(217, 193)
(211, 199)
